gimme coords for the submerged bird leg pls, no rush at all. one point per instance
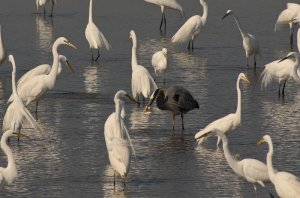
(255, 190)
(173, 121)
(283, 88)
(164, 79)
(114, 180)
(144, 100)
(254, 62)
(36, 109)
(189, 46)
(162, 20)
(247, 62)
(124, 180)
(44, 11)
(92, 55)
(98, 55)
(51, 15)
(138, 100)
(291, 37)
(165, 22)
(193, 45)
(182, 121)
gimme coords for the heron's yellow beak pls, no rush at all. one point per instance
(246, 79)
(69, 66)
(260, 141)
(22, 135)
(131, 98)
(70, 44)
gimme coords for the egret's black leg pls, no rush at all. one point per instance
(114, 180)
(44, 11)
(189, 46)
(247, 62)
(92, 55)
(173, 121)
(162, 20)
(164, 79)
(283, 88)
(182, 121)
(193, 45)
(254, 62)
(36, 109)
(124, 180)
(165, 22)
(51, 15)
(98, 55)
(291, 37)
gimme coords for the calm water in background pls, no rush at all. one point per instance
(69, 159)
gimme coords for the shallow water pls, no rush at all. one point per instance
(69, 159)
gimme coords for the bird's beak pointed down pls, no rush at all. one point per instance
(131, 98)
(69, 66)
(246, 79)
(260, 141)
(21, 135)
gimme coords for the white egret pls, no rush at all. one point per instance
(254, 171)
(2, 49)
(289, 16)
(8, 174)
(33, 89)
(191, 28)
(176, 99)
(160, 62)
(44, 69)
(229, 122)
(114, 132)
(93, 35)
(17, 113)
(40, 3)
(141, 80)
(286, 184)
(171, 4)
(250, 43)
(281, 70)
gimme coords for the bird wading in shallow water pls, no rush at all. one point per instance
(254, 171)
(250, 43)
(171, 4)
(40, 3)
(176, 99)
(286, 184)
(191, 28)
(160, 62)
(94, 36)
(229, 122)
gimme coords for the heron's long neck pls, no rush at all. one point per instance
(161, 100)
(118, 110)
(239, 98)
(205, 12)
(13, 80)
(269, 161)
(239, 25)
(133, 57)
(7, 151)
(91, 12)
(231, 161)
(54, 69)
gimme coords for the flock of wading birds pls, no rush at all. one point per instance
(33, 84)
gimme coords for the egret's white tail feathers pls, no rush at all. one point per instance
(200, 134)
(130, 142)
(266, 78)
(105, 43)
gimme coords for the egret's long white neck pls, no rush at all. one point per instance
(13, 79)
(118, 111)
(205, 12)
(54, 69)
(133, 57)
(91, 12)
(269, 161)
(10, 160)
(231, 161)
(239, 25)
(239, 98)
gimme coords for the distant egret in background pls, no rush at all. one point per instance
(176, 99)
(2, 49)
(171, 4)
(17, 114)
(160, 62)
(8, 174)
(254, 171)
(229, 122)
(281, 70)
(44, 69)
(40, 3)
(33, 89)
(114, 132)
(250, 43)
(289, 16)
(141, 80)
(93, 35)
(191, 28)
(286, 184)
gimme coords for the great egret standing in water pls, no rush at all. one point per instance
(40, 3)
(2, 49)
(8, 174)
(160, 62)
(191, 28)
(33, 89)
(141, 80)
(171, 4)
(281, 70)
(250, 43)
(114, 132)
(93, 35)
(254, 171)
(286, 184)
(17, 113)
(229, 122)
(176, 99)
(289, 16)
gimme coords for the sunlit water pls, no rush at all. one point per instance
(69, 158)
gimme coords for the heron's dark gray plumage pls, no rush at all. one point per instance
(176, 99)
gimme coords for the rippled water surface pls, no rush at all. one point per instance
(69, 158)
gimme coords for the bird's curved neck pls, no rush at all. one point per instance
(54, 68)
(205, 12)
(233, 163)
(133, 57)
(161, 100)
(91, 12)
(269, 162)
(118, 110)
(239, 25)
(10, 160)
(13, 80)
(239, 98)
